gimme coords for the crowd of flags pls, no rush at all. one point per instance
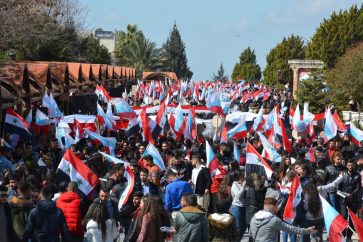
(180, 121)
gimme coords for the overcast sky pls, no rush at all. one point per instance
(216, 31)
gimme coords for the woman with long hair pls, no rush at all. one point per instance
(224, 189)
(285, 166)
(255, 195)
(101, 227)
(153, 217)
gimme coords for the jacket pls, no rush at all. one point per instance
(174, 192)
(70, 203)
(111, 207)
(149, 232)
(45, 222)
(332, 173)
(266, 227)
(351, 184)
(191, 225)
(19, 210)
(9, 234)
(94, 233)
(222, 227)
(203, 182)
(254, 201)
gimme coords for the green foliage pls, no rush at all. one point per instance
(335, 35)
(314, 91)
(247, 68)
(220, 75)
(277, 68)
(175, 56)
(143, 55)
(92, 51)
(346, 78)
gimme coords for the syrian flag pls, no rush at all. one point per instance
(310, 155)
(258, 122)
(114, 160)
(293, 200)
(29, 117)
(151, 130)
(130, 177)
(104, 117)
(271, 152)
(102, 94)
(161, 117)
(215, 168)
(133, 127)
(280, 136)
(240, 130)
(358, 224)
(355, 134)
(16, 124)
(123, 109)
(158, 161)
(341, 126)
(109, 142)
(254, 158)
(71, 168)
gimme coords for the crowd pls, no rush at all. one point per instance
(188, 201)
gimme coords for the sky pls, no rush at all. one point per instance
(215, 31)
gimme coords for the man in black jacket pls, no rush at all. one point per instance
(46, 221)
(201, 181)
(351, 185)
(6, 230)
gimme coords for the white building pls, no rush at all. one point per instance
(107, 39)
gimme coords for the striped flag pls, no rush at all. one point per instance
(130, 177)
(109, 142)
(212, 163)
(16, 124)
(151, 150)
(271, 152)
(355, 134)
(71, 168)
(113, 159)
(330, 129)
(254, 158)
(293, 200)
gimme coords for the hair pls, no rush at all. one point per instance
(283, 167)
(47, 192)
(234, 165)
(336, 154)
(153, 206)
(138, 194)
(222, 206)
(24, 187)
(170, 173)
(143, 170)
(72, 187)
(191, 199)
(223, 187)
(350, 161)
(3, 188)
(100, 216)
(311, 190)
(237, 175)
(149, 158)
(62, 187)
(270, 201)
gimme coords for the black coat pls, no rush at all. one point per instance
(351, 184)
(45, 222)
(203, 182)
(332, 173)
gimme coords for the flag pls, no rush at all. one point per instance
(129, 175)
(240, 130)
(102, 94)
(330, 129)
(310, 155)
(151, 150)
(105, 118)
(16, 124)
(272, 153)
(254, 158)
(213, 103)
(293, 200)
(307, 116)
(29, 117)
(161, 116)
(109, 142)
(68, 141)
(259, 121)
(46, 100)
(123, 109)
(54, 111)
(133, 127)
(73, 169)
(236, 152)
(41, 119)
(215, 168)
(279, 135)
(358, 224)
(334, 222)
(109, 114)
(296, 119)
(151, 130)
(114, 160)
(341, 126)
(355, 134)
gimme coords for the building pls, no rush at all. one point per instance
(107, 39)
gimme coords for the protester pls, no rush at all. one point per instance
(6, 230)
(45, 222)
(191, 223)
(127, 211)
(266, 226)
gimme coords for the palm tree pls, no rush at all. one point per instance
(143, 55)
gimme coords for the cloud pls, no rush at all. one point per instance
(300, 11)
(235, 27)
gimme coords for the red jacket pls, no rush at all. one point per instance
(70, 203)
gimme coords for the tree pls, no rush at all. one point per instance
(220, 75)
(125, 40)
(314, 91)
(143, 55)
(334, 35)
(247, 67)
(91, 51)
(346, 78)
(175, 56)
(277, 68)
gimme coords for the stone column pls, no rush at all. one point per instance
(295, 83)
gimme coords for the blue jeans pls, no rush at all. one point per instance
(333, 199)
(286, 235)
(239, 213)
